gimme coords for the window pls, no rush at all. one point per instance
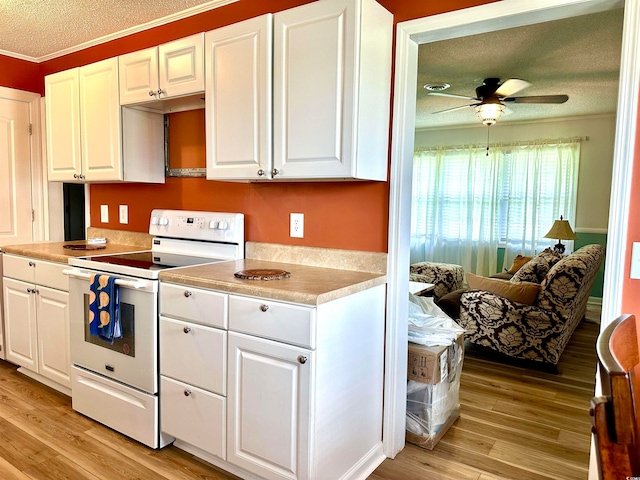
(467, 202)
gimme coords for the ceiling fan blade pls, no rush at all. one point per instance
(538, 99)
(455, 108)
(452, 95)
(511, 86)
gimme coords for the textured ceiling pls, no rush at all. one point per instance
(578, 56)
(37, 29)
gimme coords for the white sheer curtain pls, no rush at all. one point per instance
(543, 179)
(467, 203)
(454, 208)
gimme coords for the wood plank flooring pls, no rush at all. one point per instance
(515, 423)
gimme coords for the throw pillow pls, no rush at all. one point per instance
(537, 268)
(522, 292)
(517, 264)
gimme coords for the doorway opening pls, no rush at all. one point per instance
(74, 214)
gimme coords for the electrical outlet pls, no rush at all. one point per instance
(296, 226)
(104, 213)
(124, 213)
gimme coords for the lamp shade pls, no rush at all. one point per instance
(561, 230)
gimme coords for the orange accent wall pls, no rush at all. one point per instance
(631, 287)
(20, 74)
(348, 215)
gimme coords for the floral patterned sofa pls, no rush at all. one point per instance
(539, 331)
(446, 277)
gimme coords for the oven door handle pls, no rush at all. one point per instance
(123, 283)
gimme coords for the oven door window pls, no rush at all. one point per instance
(125, 345)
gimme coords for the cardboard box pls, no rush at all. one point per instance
(433, 389)
(430, 441)
(434, 364)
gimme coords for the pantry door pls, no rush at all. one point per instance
(16, 218)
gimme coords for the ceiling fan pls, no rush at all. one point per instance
(492, 95)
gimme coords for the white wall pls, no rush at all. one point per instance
(596, 155)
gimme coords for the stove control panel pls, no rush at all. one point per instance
(192, 225)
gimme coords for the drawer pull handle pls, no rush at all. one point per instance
(264, 308)
(186, 329)
(32, 264)
(187, 392)
(302, 359)
(187, 293)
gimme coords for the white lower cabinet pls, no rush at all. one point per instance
(37, 319)
(193, 367)
(193, 415)
(269, 407)
(301, 396)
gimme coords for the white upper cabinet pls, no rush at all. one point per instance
(62, 111)
(100, 135)
(91, 138)
(171, 70)
(238, 99)
(330, 70)
(332, 80)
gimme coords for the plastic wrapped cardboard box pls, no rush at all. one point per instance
(433, 390)
(434, 364)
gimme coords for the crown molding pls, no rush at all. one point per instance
(189, 12)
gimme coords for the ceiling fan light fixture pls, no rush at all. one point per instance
(489, 113)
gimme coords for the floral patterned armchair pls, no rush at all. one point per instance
(446, 277)
(539, 331)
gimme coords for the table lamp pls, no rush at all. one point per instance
(562, 231)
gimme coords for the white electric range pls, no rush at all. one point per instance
(117, 383)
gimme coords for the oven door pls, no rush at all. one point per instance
(132, 360)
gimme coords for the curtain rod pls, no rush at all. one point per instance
(521, 143)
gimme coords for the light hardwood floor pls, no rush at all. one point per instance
(515, 423)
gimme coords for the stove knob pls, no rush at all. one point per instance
(154, 220)
(213, 224)
(163, 221)
(222, 225)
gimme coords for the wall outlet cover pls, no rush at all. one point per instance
(104, 213)
(124, 213)
(296, 225)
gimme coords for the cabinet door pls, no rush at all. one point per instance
(314, 50)
(138, 76)
(54, 360)
(268, 407)
(100, 121)
(238, 100)
(181, 66)
(20, 323)
(62, 114)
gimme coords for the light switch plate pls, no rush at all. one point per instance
(124, 213)
(104, 213)
(635, 260)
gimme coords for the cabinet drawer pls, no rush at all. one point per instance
(278, 321)
(194, 354)
(194, 416)
(194, 304)
(39, 272)
(50, 275)
(20, 268)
